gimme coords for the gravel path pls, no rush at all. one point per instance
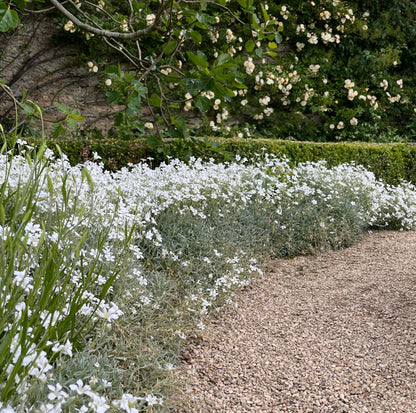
(330, 333)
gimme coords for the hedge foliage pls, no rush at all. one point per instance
(391, 162)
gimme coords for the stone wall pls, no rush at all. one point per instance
(31, 60)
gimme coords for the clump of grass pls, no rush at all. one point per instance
(105, 275)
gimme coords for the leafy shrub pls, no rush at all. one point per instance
(340, 76)
(389, 162)
(311, 70)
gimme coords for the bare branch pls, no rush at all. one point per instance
(214, 3)
(8, 92)
(157, 60)
(102, 10)
(122, 50)
(109, 34)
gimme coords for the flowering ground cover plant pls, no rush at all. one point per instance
(105, 275)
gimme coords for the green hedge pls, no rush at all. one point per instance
(390, 162)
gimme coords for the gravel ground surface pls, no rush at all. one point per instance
(334, 332)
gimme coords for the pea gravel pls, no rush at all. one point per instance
(334, 332)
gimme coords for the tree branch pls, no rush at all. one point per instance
(214, 3)
(107, 33)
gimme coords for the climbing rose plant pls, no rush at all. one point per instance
(312, 70)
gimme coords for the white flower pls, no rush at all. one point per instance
(63, 348)
(98, 404)
(314, 68)
(348, 84)
(400, 83)
(229, 37)
(22, 280)
(127, 403)
(249, 65)
(300, 28)
(69, 27)
(325, 15)
(108, 82)
(384, 84)
(393, 99)
(188, 105)
(300, 46)
(352, 94)
(150, 19)
(56, 392)
(326, 37)
(151, 400)
(50, 408)
(264, 101)
(7, 409)
(353, 121)
(313, 39)
(109, 313)
(148, 125)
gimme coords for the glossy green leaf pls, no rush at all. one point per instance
(58, 130)
(250, 45)
(171, 47)
(222, 58)
(202, 103)
(154, 141)
(115, 96)
(155, 100)
(196, 37)
(197, 60)
(9, 19)
(205, 19)
(220, 91)
(139, 88)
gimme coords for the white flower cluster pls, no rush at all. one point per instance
(264, 101)
(249, 65)
(314, 69)
(131, 199)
